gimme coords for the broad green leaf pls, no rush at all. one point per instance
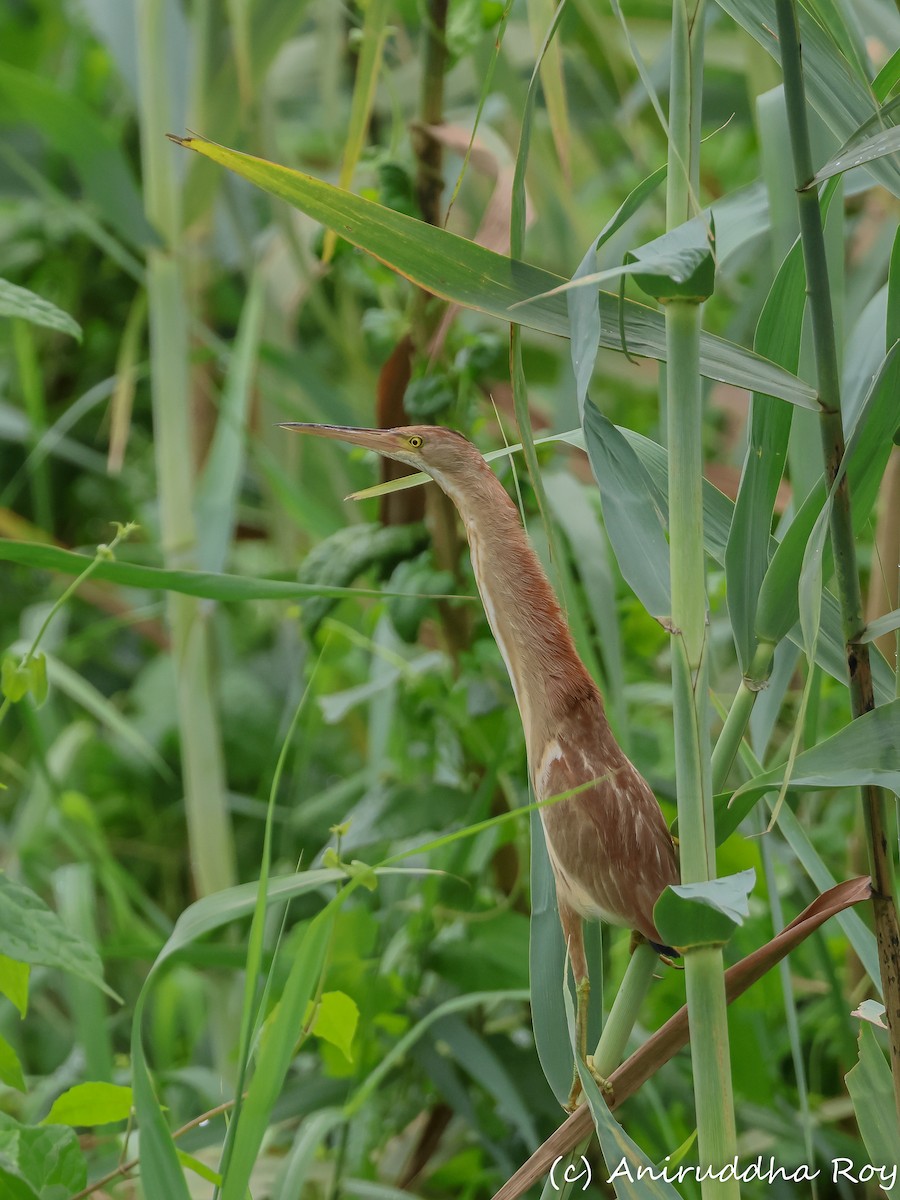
(14, 679)
(14, 977)
(867, 448)
(867, 751)
(887, 78)
(778, 605)
(634, 512)
(90, 1104)
(10, 1067)
(13, 1186)
(44, 1162)
(877, 136)
(20, 302)
(872, 1092)
(466, 273)
(747, 553)
(679, 264)
(37, 678)
(703, 914)
(836, 92)
(78, 135)
(30, 932)
(584, 306)
(337, 1017)
(831, 654)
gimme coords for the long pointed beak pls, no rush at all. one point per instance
(382, 441)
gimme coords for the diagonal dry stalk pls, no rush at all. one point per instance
(668, 1040)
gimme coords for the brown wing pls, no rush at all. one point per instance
(610, 847)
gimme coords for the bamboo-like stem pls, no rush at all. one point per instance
(887, 930)
(209, 825)
(624, 1012)
(704, 969)
(732, 733)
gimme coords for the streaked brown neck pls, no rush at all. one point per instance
(547, 675)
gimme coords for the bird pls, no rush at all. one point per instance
(608, 843)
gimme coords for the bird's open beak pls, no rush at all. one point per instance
(382, 441)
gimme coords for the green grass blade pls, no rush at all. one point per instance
(216, 494)
(867, 751)
(277, 1050)
(634, 512)
(203, 584)
(466, 273)
(20, 302)
(547, 967)
(747, 552)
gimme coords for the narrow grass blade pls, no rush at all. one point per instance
(583, 304)
(20, 302)
(368, 67)
(277, 1050)
(747, 552)
(547, 968)
(203, 584)
(216, 494)
(466, 273)
(865, 751)
(634, 512)
(877, 136)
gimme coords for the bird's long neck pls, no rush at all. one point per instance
(547, 675)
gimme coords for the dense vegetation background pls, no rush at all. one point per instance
(200, 728)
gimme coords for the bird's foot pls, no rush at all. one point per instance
(577, 1089)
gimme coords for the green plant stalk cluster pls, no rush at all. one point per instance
(887, 929)
(209, 825)
(704, 968)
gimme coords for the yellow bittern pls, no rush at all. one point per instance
(608, 843)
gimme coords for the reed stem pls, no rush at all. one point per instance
(704, 969)
(887, 930)
(209, 823)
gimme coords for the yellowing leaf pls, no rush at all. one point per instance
(336, 1021)
(90, 1104)
(14, 982)
(10, 1067)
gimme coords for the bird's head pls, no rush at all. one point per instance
(441, 453)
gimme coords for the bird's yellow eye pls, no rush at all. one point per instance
(414, 442)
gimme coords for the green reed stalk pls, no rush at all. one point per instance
(887, 930)
(704, 971)
(209, 824)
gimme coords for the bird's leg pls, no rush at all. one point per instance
(574, 934)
